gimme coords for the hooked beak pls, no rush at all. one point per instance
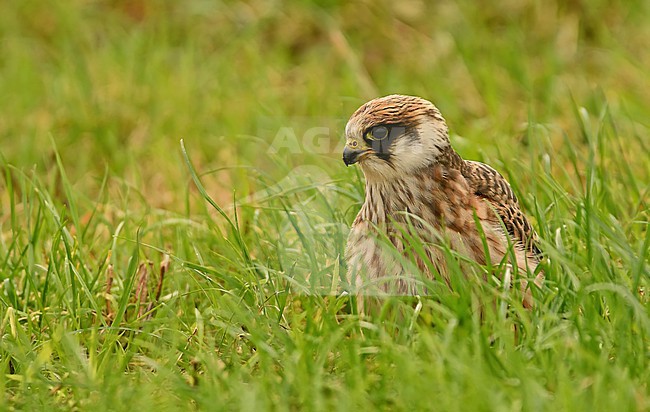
(351, 156)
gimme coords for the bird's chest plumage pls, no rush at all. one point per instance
(433, 208)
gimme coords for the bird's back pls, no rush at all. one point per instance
(488, 184)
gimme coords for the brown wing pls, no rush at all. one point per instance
(490, 185)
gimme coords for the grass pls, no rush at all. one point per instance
(100, 205)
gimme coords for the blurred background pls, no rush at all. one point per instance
(114, 85)
(122, 283)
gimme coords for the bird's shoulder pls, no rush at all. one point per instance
(485, 182)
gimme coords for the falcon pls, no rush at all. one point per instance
(418, 187)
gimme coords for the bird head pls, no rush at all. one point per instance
(395, 135)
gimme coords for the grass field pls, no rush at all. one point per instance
(139, 273)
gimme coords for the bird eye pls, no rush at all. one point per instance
(378, 133)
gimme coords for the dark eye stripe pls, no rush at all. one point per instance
(381, 137)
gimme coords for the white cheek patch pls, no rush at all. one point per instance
(434, 137)
(409, 155)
